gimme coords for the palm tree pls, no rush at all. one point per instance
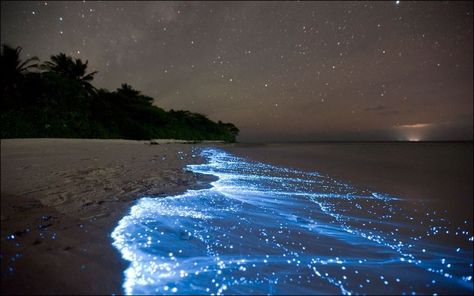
(129, 93)
(12, 67)
(72, 69)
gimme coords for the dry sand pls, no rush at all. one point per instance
(61, 198)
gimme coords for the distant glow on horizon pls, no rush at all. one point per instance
(413, 132)
(262, 229)
(416, 125)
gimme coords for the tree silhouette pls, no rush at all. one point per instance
(131, 94)
(58, 103)
(72, 69)
(12, 67)
(127, 90)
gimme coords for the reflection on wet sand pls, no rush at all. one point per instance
(264, 229)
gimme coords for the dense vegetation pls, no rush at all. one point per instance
(57, 99)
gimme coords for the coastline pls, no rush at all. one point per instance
(61, 199)
(416, 171)
(276, 225)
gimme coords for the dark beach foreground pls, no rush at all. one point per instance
(61, 199)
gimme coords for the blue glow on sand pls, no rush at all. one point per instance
(263, 229)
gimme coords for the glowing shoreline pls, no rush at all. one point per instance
(264, 229)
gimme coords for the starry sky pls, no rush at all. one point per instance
(280, 71)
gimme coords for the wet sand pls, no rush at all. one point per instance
(439, 172)
(61, 199)
(263, 229)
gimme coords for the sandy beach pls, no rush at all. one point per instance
(61, 198)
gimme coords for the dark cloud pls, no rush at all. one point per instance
(376, 108)
(382, 110)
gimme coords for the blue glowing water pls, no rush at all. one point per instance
(263, 229)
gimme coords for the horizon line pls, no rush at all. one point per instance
(354, 141)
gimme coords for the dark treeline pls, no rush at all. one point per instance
(56, 99)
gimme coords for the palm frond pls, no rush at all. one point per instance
(90, 76)
(23, 66)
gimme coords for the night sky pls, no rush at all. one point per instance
(280, 71)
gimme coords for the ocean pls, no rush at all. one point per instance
(303, 219)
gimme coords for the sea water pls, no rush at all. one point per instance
(263, 229)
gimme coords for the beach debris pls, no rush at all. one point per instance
(46, 218)
(20, 233)
(44, 226)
